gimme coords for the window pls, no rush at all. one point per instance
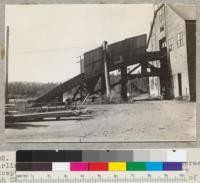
(180, 39)
(162, 28)
(170, 44)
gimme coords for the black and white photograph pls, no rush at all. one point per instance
(100, 73)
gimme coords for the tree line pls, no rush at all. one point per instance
(23, 90)
(28, 89)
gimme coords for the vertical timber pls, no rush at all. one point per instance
(81, 92)
(106, 71)
(123, 83)
(60, 98)
(7, 59)
(103, 84)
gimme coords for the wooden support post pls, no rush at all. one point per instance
(165, 78)
(75, 94)
(81, 92)
(91, 84)
(81, 64)
(123, 83)
(106, 71)
(7, 59)
(60, 98)
(144, 68)
(103, 85)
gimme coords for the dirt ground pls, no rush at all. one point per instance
(139, 121)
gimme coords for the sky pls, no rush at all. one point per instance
(46, 41)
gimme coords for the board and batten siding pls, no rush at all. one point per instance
(177, 57)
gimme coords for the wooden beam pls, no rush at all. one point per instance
(129, 77)
(134, 68)
(7, 60)
(40, 116)
(75, 94)
(123, 83)
(103, 85)
(81, 91)
(60, 97)
(106, 70)
(144, 68)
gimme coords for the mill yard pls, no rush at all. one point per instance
(139, 121)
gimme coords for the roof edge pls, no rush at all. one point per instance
(178, 14)
(151, 29)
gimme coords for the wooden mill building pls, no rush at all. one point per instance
(174, 29)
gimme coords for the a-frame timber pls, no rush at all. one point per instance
(85, 83)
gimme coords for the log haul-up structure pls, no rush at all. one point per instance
(97, 64)
(152, 56)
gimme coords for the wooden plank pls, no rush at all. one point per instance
(40, 116)
(106, 69)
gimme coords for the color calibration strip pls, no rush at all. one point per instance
(135, 160)
(100, 166)
(102, 156)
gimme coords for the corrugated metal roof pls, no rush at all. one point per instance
(186, 11)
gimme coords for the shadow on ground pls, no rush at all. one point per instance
(24, 126)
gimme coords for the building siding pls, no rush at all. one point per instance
(177, 55)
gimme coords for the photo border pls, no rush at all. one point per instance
(96, 145)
